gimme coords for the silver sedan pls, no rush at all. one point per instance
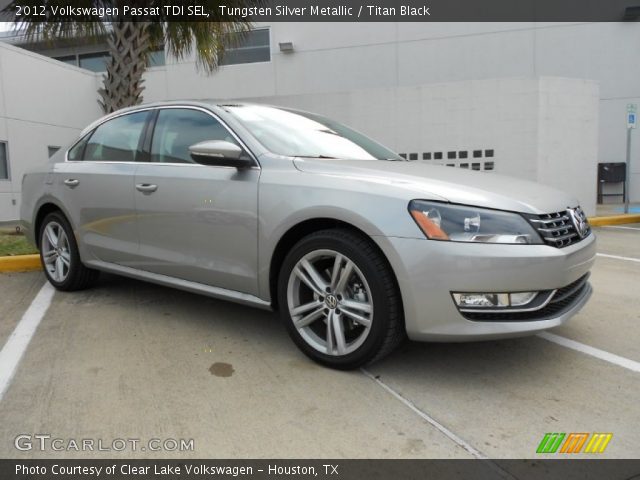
(287, 210)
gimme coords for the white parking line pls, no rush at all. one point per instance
(432, 421)
(621, 227)
(594, 352)
(19, 339)
(617, 257)
(444, 430)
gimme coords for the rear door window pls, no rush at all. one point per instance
(75, 153)
(117, 140)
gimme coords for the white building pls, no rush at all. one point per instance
(540, 101)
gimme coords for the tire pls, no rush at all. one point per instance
(60, 257)
(338, 277)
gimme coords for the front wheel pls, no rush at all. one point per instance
(339, 300)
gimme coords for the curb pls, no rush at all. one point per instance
(614, 220)
(20, 263)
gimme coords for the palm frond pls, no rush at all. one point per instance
(208, 39)
(130, 43)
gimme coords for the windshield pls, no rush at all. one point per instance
(301, 134)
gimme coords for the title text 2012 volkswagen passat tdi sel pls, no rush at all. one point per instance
(282, 209)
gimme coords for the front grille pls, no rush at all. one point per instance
(561, 229)
(563, 299)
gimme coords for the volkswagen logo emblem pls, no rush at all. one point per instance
(579, 220)
(331, 301)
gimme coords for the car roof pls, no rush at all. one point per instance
(204, 103)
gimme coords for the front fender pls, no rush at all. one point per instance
(298, 197)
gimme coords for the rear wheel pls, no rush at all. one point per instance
(339, 300)
(60, 257)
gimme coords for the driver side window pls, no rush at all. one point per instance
(178, 128)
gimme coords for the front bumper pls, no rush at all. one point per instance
(428, 271)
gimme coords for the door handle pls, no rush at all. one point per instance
(71, 182)
(146, 187)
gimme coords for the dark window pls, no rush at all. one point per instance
(437, 156)
(488, 165)
(156, 58)
(462, 155)
(4, 162)
(179, 128)
(475, 166)
(451, 155)
(68, 59)
(488, 153)
(403, 155)
(96, 62)
(451, 165)
(413, 156)
(254, 47)
(464, 165)
(51, 150)
(116, 140)
(426, 156)
(477, 154)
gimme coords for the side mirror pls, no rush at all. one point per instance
(219, 153)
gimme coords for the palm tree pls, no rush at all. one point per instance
(131, 42)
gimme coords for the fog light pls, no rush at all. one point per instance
(481, 299)
(522, 298)
(500, 300)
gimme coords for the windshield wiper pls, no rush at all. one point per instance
(317, 156)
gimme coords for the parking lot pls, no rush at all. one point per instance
(129, 359)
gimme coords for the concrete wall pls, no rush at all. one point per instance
(348, 60)
(42, 103)
(567, 145)
(341, 57)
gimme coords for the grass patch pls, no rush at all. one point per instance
(14, 243)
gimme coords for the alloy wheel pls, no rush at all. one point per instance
(330, 302)
(56, 252)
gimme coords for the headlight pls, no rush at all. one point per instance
(460, 223)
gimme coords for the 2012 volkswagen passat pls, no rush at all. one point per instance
(288, 210)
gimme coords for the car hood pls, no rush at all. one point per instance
(455, 185)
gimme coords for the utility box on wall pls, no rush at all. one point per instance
(612, 175)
